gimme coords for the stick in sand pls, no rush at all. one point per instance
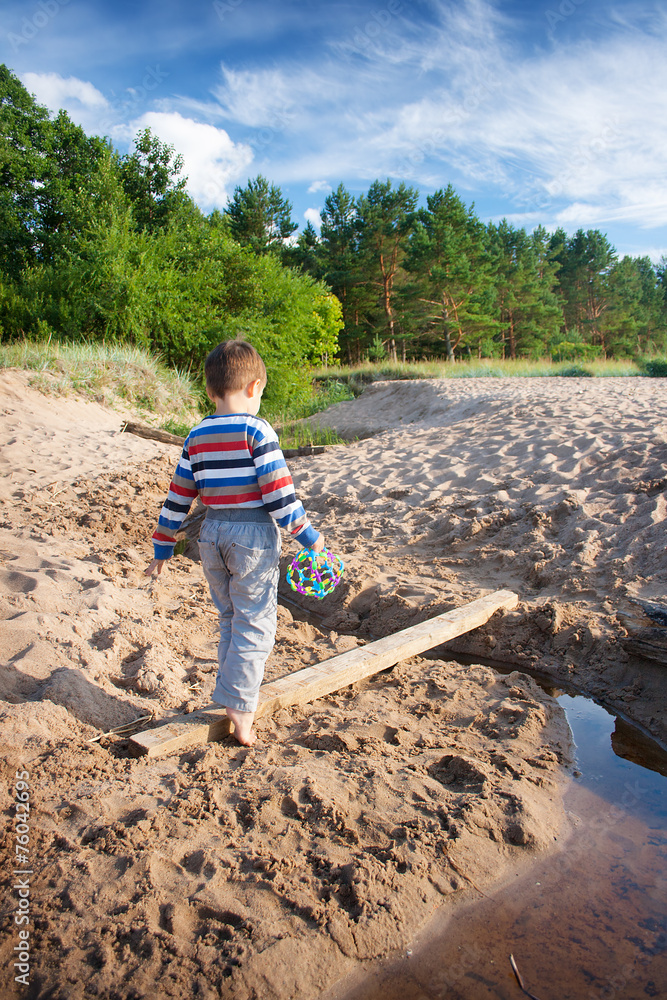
(519, 980)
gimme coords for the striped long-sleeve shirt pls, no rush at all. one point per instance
(232, 460)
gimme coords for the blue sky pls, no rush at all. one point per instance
(548, 111)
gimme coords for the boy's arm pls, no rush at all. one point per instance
(182, 491)
(277, 488)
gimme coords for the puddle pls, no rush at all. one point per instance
(588, 922)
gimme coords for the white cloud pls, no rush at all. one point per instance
(578, 133)
(312, 215)
(574, 133)
(81, 100)
(317, 186)
(54, 90)
(213, 162)
(258, 99)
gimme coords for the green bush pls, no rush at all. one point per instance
(656, 368)
(177, 293)
(573, 371)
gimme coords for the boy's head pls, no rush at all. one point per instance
(231, 366)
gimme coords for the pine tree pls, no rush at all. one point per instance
(524, 278)
(304, 254)
(450, 269)
(259, 216)
(583, 281)
(654, 333)
(386, 218)
(634, 321)
(341, 262)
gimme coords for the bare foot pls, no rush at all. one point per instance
(243, 730)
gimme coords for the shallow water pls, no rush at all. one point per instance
(588, 922)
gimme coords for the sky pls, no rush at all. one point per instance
(549, 112)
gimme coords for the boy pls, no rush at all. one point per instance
(232, 459)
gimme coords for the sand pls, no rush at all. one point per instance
(271, 872)
(553, 487)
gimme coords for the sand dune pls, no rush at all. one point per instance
(48, 439)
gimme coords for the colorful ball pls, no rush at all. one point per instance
(315, 574)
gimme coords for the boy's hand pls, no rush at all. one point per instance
(155, 564)
(318, 545)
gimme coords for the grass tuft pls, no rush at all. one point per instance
(574, 371)
(294, 435)
(108, 373)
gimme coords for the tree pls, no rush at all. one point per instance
(341, 266)
(259, 216)
(152, 181)
(386, 218)
(44, 165)
(583, 280)
(634, 322)
(661, 272)
(23, 128)
(74, 161)
(654, 305)
(524, 278)
(304, 254)
(447, 256)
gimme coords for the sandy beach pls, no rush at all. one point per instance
(273, 872)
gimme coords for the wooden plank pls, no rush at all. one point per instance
(155, 434)
(152, 433)
(647, 630)
(331, 675)
(653, 610)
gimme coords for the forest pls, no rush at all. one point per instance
(100, 246)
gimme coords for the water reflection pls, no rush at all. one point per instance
(628, 742)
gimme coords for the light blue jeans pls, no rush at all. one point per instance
(240, 551)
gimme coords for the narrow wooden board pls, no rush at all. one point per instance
(647, 630)
(155, 434)
(331, 675)
(152, 433)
